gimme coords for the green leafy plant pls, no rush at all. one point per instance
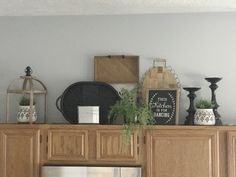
(133, 111)
(204, 104)
(25, 101)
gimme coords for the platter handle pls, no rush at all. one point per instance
(57, 103)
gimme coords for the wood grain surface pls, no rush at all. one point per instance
(116, 69)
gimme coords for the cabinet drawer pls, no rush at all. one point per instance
(68, 145)
(110, 146)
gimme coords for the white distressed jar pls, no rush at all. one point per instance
(23, 114)
(204, 117)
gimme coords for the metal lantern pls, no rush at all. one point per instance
(29, 86)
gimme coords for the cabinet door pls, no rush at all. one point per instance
(232, 154)
(20, 153)
(182, 153)
(111, 147)
(1, 154)
(68, 145)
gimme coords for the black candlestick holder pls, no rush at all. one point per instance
(191, 110)
(213, 87)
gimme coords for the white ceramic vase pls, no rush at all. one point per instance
(204, 117)
(23, 114)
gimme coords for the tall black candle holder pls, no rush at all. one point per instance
(191, 110)
(213, 87)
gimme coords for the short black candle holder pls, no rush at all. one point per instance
(191, 110)
(213, 87)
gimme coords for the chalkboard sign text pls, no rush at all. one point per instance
(164, 104)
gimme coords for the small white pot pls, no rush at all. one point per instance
(204, 117)
(23, 114)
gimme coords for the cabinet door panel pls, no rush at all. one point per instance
(68, 145)
(182, 153)
(232, 154)
(1, 154)
(110, 146)
(20, 149)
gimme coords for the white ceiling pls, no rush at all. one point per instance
(96, 7)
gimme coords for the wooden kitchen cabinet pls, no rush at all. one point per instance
(19, 152)
(111, 146)
(161, 151)
(182, 153)
(67, 145)
(91, 145)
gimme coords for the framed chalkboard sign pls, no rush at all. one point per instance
(165, 105)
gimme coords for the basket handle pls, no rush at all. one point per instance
(57, 103)
(159, 60)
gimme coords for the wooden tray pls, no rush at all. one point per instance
(116, 69)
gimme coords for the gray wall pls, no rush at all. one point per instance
(61, 50)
